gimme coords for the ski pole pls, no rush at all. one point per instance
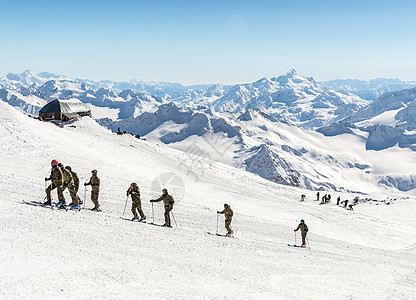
(173, 216)
(307, 240)
(85, 195)
(217, 223)
(153, 214)
(125, 206)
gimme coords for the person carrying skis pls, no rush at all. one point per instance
(57, 182)
(303, 231)
(168, 201)
(76, 183)
(136, 202)
(68, 183)
(228, 212)
(95, 189)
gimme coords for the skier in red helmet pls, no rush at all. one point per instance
(57, 182)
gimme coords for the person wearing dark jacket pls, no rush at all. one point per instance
(168, 201)
(303, 231)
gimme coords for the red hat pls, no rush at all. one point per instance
(54, 162)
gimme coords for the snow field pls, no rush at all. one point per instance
(46, 254)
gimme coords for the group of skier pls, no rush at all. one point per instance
(62, 178)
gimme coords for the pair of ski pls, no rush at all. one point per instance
(143, 221)
(297, 246)
(53, 207)
(219, 234)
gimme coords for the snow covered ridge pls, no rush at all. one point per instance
(390, 120)
(291, 97)
(369, 90)
(274, 150)
(232, 121)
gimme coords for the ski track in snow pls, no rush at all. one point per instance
(44, 253)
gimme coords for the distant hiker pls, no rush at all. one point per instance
(323, 199)
(57, 182)
(338, 200)
(119, 131)
(328, 198)
(68, 183)
(76, 183)
(350, 207)
(95, 189)
(317, 196)
(302, 198)
(303, 231)
(345, 202)
(168, 201)
(228, 212)
(136, 202)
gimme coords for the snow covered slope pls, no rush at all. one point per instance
(367, 253)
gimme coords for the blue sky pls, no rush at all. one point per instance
(209, 41)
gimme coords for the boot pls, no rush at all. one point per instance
(142, 219)
(59, 204)
(135, 218)
(48, 201)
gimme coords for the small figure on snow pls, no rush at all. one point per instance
(57, 182)
(95, 189)
(168, 201)
(338, 200)
(136, 203)
(302, 198)
(303, 231)
(317, 196)
(328, 198)
(228, 212)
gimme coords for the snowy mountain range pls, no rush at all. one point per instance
(266, 127)
(369, 90)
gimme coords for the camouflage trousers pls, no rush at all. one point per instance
(137, 205)
(59, 190)
(303, 239)
(94, 199)
(72, 193)
(168, 208)
(228, 226)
